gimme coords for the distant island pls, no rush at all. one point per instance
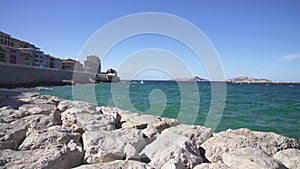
(237, 80)
(250, 80)
(196, 78)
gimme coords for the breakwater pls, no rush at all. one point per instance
(27, 76)
(41, 131)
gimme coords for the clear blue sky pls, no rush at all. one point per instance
(256, 38)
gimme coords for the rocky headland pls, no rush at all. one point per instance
(248, 80)
(251, 80)
(39, 131)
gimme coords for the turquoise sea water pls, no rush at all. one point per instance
(260, 107)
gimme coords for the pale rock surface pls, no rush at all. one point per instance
(96, 122)
(77, 106)
(217, 165)
(150, 132)
(80, 120)
(289, 157)
(8, 114)
(55, 135)
(231, 140)
(173, 164)
(169, 146)
(197, 134)
(11, 136)
(142, 121)
(118, 164)
(162, 123)
(111, 112)
(37, 122)
(35, 98)
(250, 158)
(105, 146)
(45, 109)
(63, 156)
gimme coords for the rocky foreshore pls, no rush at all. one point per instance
(40, 131)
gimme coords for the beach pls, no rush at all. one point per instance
(43, 131)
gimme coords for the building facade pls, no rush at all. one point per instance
(15, 56)
(7, 40)
(92, 64)
(71, 65)
(15, 51)
(53, 62)
(38, 56)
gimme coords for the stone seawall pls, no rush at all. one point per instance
(26, 76)
(39, 131)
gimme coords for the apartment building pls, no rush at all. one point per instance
(71, 65)
(7, 40)
(15, 56)
(53, 62)
(38, 56)
(15, 51)
(92, 64)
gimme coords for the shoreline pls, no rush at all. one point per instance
(41, 131)
(69, 82)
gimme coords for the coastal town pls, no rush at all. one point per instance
(22, 54)
(15, 51)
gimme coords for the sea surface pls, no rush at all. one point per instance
(260, 107)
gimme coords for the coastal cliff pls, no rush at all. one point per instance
(39, 131)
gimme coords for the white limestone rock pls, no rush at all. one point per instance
(37, 122)
(11, 136)
(8, 114)
(81, 120)
(105, 146)
(231, 140)
(45, 109)
(142, 121)
(96, 121)
(127, 164)
(289, 157)
(197, 134)
(173, 164)
(150, 132)
(77, 105)
(169, 146)
(162, 123)
(40, 139)
(111, 111)
(217, 165)
(35, 98)
(61, 156)
(250, 158)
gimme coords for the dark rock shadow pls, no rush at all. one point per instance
(202, 153)
(11, 99)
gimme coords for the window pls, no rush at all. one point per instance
(2, 57)
(13, 59)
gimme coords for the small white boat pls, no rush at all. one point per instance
(142, 82)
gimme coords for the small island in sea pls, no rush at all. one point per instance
(195, 78)
(248, 80)
(251, 80)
